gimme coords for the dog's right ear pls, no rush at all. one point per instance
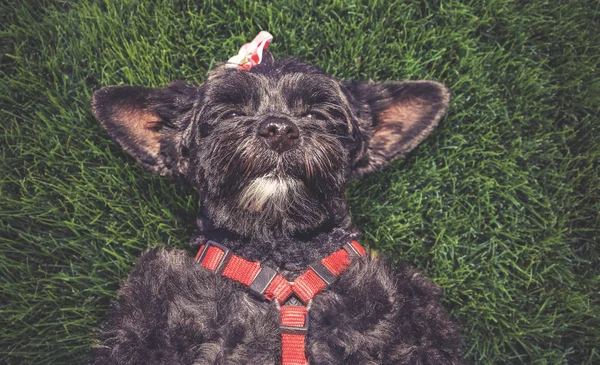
(401, 115)
(149, 124)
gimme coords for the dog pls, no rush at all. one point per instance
(271, 148)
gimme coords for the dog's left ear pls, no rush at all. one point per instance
(149, 123)
(401, 114)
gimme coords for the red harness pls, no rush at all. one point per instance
(267, 283)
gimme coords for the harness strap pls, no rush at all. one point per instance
(272, 286)
(294, 326)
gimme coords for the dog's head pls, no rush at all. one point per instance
(272, 148)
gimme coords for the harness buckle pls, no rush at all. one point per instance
(222, 262)
(262, 281)
(323, 272)
(352, 251)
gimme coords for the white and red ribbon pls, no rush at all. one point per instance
(251, 53)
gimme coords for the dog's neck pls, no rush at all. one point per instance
(292, 254)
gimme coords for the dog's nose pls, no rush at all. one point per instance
(280, 134)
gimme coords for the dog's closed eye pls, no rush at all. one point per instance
(231, 115)
(315, 115)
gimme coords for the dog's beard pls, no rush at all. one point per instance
(271, 194)
(292, 177)
(252, 190)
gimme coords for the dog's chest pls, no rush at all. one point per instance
(210, 319)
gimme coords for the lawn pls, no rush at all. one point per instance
(500, 206)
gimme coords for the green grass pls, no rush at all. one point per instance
(500, 206)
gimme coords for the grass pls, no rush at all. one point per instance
(500, 206)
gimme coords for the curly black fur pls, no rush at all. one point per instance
(172, 311)
(285, 209)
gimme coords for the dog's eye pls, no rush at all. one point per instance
(230, 115)
(315, 116)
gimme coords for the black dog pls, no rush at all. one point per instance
(271, 150)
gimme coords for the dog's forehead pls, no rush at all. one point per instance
(269, 88)
(309, 89)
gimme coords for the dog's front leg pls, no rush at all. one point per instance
(172, 311)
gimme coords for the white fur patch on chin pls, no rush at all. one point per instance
(270, 192)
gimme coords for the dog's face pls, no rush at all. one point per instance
(270, 149)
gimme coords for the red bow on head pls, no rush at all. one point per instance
(251, 53)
